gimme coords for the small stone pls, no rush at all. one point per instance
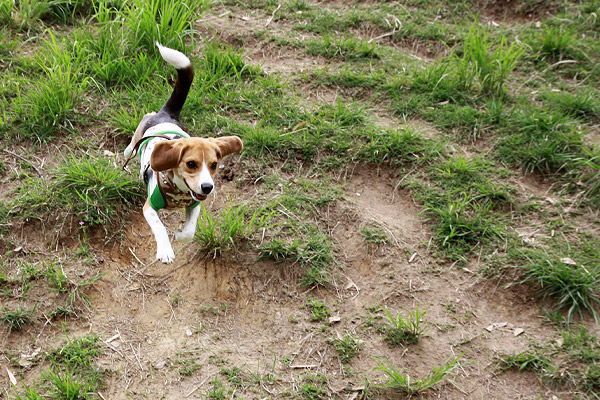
(334, 319)
(518, 331)
(12, 378)
(568, 260)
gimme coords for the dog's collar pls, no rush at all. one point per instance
(172, 196)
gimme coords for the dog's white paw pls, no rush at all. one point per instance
(184, 236)
(165, 254)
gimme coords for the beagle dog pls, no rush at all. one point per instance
(178, 169)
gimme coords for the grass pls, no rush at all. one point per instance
(571, 287)
(569, 364)
(234, 375)
(398, 381)
(528, 360)
(374, 234)
(580, 345)
(93, 189)
(30, 393)
(590, 176)
(318, 310)
(312, 387)
(468, 109)
(491, 67)
(57, 279)
(65, 385)
(343, 48)
(73, 375)
(555, 43)
(406, 330)
(217, 391)
(314, 252)
(16, 319)
(187, 365)
(347, 346)
(49, 105)
(396, 147)
(580, 104)
(546, 141)
(78, 353)
(463, 222)
(164, 21)
(233, 226)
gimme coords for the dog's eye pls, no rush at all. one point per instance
(213, 165)
(191, 164)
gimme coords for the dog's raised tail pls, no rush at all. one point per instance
(185, 76)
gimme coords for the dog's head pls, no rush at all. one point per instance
(194, 160)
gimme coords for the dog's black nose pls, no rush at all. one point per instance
(206, 188)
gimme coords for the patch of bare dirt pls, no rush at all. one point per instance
(517, 10)
(235, 311)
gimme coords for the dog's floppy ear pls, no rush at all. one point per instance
(227, 145)
(166, 155)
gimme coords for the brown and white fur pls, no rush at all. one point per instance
(192, 161)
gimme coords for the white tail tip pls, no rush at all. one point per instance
(174, 57)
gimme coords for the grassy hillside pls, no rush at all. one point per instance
(415, 211)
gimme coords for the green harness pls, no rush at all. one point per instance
(164, 194)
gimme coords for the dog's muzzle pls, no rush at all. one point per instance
(206, 189)
(197, 196)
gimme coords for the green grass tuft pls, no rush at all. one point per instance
(555, 43)
(66, 385)
(463, 222)
(78, 354)
(405, 330)
(347, 346)
(528, 360)
(398, 381)
(490, 67)
(589, 176)
(398, 147)
(349, 48)
(17, 318)
(314, 253)
(375, 234)
(313, 387)
(571, 287)
(581, 104)
(95, 188)
(49, 104)
(167, 22)
(318, 309)
(233, 226)
(541, 140)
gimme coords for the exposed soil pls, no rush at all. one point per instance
(516, 10)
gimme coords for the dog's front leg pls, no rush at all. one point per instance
(164, 251)
(189, 228)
